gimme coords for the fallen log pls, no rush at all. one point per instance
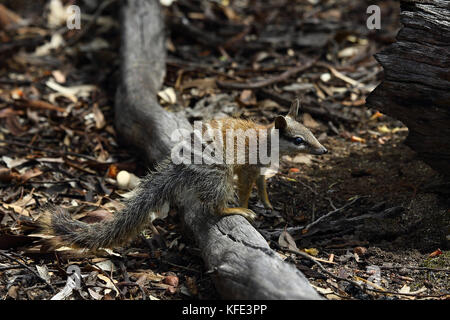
(241, 262)
(416, 82)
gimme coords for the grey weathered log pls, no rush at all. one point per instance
(239, 258)
(416, 86)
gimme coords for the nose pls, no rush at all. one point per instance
(321, 150)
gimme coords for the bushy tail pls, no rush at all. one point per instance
(150, 195)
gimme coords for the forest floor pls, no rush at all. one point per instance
(384, 215)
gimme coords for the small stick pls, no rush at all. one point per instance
(415, 268)
(322, 268)
(277, 232)
(264, 83)
(331, 213)
(20, 144)
(4, 254)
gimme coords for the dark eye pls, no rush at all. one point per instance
(298, 141)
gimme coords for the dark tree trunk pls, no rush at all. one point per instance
(242, 263)
(416, 87)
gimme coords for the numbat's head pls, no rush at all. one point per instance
(295, 137)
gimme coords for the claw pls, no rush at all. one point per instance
(248, 214)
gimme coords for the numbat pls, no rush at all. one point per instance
(173, 184)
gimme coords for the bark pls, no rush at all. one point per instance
(416, 87)
(242, 263)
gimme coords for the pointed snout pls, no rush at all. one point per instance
(319, 151)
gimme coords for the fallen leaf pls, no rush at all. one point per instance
(112, 171)
(8, 17)
(247, 98)
(384, 129)
(95, 295)
(71, 92)
(360, 251)
(405, 289)
(349, 52)
(171, 280)
(168, 95)
(12, 292)
(357, 139)
(294, 170)
(13, 125)
(311, 251)
(59, 76)
(16, 93)
(106, 265)
(328, 293)
(99, 117)
(17, 209)
(57, 15)
(29, 174)
(299, 158)
(109, 283)
(435, 253)
(309, 122)
(286, 241)
(43, 272)
(148, 276)
(55, 42)
(376, 115)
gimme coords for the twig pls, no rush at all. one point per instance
(320, 112)
(4, 268)
(338, 74)
(191, 66)
(301, 182)
(15, 82)
(181, 267)
(322, 268)
(4, 254)
(50, 182)
(264, 83)
(331, 213)
(20, 144)
(38, 104)
(415, 268)
(275, 233)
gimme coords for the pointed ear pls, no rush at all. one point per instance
(280, 123)
(295, 108)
